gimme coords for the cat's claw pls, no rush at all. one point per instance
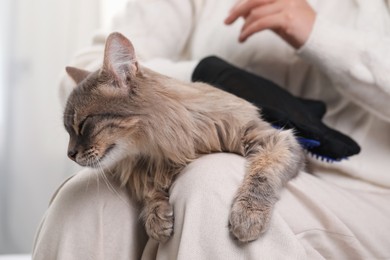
(248, 222)
(159, 224)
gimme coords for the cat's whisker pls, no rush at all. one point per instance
(89, 179)
(109, 184)
(92, 163)
(88, 182)
(104, 177)
(101, 173)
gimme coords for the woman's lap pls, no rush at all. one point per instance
(90, 219)
(313, 219)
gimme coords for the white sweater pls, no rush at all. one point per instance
(345, 63)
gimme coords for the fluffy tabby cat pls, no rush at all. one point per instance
(145, 127)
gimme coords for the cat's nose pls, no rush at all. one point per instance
(72, 154)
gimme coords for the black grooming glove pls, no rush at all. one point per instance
(279, 108)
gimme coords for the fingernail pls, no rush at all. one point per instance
(241, 39)
(229, 20)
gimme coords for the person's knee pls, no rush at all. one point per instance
(87, 189)
(87, 209)
(211, 175)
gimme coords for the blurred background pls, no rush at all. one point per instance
(38, 39)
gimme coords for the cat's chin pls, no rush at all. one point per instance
(102, 165)
(111, 157)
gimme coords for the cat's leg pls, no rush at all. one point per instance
(274, 157)
(158, 215)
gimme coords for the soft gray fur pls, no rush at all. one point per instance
(145, 127)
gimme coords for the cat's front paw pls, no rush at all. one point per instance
(159, 222)
(247, 221)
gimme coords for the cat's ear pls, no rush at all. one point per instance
(119, 57)
(76, 74)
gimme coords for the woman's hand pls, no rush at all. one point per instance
(291, 19)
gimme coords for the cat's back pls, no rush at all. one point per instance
(203, 98)
(206, 98)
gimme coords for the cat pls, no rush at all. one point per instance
(146, 127)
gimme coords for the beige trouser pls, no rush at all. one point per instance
(314, 219)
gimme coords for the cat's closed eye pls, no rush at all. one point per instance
(82, 124)
(93, 125)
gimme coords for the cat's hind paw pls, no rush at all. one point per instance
(247, 222)
(159, 223)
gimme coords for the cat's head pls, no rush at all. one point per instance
(102, 114)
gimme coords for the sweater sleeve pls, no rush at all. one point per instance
(357, 62)
(157, 28)
(160, 31)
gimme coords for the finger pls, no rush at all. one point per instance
(243, 9)
(261, 12)
(234, 15)
(239, 2)
(273, 22)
